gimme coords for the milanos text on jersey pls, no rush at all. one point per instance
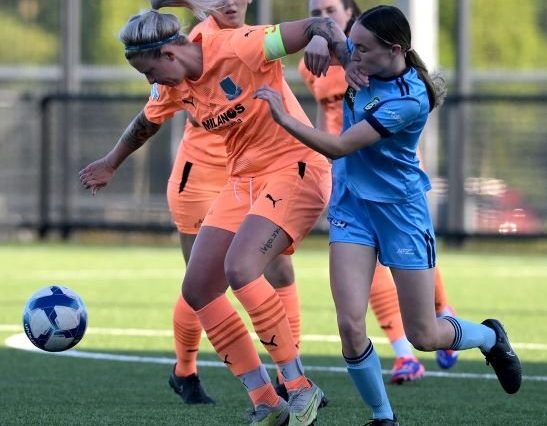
(225, 119)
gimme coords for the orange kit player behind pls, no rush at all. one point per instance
(328, 92)
(197, 177)
(276, 190)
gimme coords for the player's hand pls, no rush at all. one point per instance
(277, 108)
(355, 77)
(96, 175)
(317, 56)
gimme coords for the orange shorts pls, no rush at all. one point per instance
(191, 190)
(292, 198)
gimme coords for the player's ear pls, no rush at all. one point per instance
(396, 49)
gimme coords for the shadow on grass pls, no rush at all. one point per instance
(36, 388)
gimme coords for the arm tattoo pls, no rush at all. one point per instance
(327, 28)
(138, 132)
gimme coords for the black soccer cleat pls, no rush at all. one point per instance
(503, 359)
(383, 422)
(189, 389)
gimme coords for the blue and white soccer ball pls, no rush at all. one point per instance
(55, 318)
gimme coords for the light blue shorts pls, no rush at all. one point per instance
(402, 233)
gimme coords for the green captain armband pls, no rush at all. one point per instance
(273, 44)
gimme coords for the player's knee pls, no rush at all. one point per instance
(351, 331)
(191, 298)
(198, 291)
(280, 278)
(280, 272)
(238, 274)
(422, 340)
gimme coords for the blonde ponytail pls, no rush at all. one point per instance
(199, 7)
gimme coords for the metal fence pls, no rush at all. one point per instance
(491, 178)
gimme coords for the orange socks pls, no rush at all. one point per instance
(264, 395)
(270, 322)
(228, 335)
(267, 313)
(441, 300)
(187, 330)
(384, 303)
(291, 302)
(234, 346)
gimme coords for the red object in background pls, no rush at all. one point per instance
(507, 215)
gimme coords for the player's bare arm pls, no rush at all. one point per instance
(298, 34)
(331, 146)
(336, 39)
(97, 174)
(134, 136)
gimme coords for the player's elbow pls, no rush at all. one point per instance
(337, 151)
(334, 153)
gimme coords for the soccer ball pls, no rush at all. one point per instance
(55, 318)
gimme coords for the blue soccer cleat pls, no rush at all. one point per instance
(446, 358)
(406, 369)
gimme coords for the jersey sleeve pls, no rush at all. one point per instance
(258, 46)
(208, 26)
(392, 116)
(162, 104)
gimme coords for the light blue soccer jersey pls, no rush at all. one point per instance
(387, 171)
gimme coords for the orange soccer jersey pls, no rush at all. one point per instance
(199, 169)
(222, 101)
(329, 92)
(200, 146)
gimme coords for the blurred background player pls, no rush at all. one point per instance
(328, 92)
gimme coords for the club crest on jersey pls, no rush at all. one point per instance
(231, 90)
(155, 92)
(372, 103)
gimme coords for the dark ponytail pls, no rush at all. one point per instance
(355, 12)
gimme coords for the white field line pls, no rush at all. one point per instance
(20, 341)
(317, 338)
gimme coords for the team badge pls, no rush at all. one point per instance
(372, 103)
(231, 90)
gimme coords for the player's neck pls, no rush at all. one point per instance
(399, 66)
(192, 57)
